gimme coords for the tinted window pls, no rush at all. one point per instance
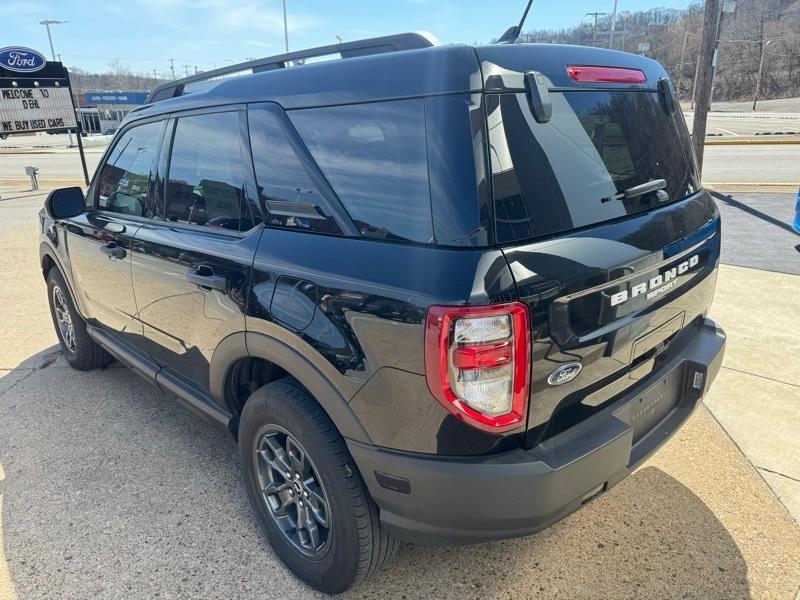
(124, 183)
(207, 178)
(285, 187)
(572, 171)
(374, 157)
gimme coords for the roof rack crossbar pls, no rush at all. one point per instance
(378, 45)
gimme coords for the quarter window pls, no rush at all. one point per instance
(207, 179)
(289, 196)
(125, 180)
(375, 158)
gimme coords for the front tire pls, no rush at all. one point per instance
(306, 490)
(79, 349)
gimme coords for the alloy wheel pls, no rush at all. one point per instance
(64, 320)
(292, 490)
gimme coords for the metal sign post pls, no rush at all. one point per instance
(35, 95)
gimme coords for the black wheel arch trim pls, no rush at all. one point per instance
(257, 345)
(47, 251)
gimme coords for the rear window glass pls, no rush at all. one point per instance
(575, 170)
(375, 158)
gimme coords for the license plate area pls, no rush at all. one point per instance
(654, 405)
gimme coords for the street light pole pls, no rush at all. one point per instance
(47, 23)
(760, 71)
(285, 28)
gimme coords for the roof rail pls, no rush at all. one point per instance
(378, 45)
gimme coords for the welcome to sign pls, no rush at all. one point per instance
(36, 109)
(34, 93)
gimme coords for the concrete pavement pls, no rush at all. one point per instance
(107, 489)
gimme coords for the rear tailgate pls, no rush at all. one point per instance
(599, 211)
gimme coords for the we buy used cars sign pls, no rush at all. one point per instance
(34, 93)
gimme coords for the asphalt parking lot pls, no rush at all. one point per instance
(110, 490)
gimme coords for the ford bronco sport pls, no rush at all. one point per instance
(437, 293)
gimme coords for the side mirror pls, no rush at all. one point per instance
(64, 203)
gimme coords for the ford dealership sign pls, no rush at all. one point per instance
(21, 60)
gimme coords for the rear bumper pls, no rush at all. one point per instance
(450, 500)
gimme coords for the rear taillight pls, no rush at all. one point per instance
(477, 362)
(587, 74)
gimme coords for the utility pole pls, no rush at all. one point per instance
(760, 71)
(186, 69)
(708, 53)
(694, 81)
(47, 23)
(613, 24)
(725, 6)
(594, 31)
(680, 68)
(285, 28)
(172, 67)
(625, 15)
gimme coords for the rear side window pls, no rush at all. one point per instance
(375, 158)
(125, 179)
(207, 179)
(289, 196)
(575, 170)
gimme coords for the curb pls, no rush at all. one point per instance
(44, 184)
(771, 188)
(749, 142)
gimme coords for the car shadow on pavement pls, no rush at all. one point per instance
(112, 490)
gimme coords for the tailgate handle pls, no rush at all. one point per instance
(538, 88)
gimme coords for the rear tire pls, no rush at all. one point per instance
(79, 349)
(280, 424)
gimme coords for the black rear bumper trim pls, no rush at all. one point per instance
(455, 500)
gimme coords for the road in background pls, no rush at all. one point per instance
(752, 163)
(749, 124)
(745, 163)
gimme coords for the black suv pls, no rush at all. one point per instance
(437, 293)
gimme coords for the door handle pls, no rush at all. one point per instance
(113, 251)
(205, 278)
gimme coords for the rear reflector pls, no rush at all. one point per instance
(586, 74)
(477, 363)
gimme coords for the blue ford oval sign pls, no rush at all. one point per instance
(21, 60)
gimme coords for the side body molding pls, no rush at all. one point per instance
(243, 345)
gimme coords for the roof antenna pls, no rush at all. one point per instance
(512, 33)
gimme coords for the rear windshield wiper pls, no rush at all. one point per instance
(639, 190)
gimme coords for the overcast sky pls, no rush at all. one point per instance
(144, 34)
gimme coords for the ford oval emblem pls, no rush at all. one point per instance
(21, 60)
(565, 373)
